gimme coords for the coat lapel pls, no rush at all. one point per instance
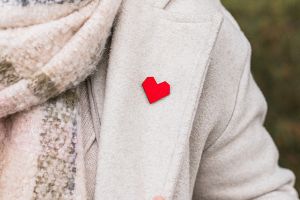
(142, 145)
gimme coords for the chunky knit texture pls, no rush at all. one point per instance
(43, 60)
(46, 49)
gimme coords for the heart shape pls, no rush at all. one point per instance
(155, 91)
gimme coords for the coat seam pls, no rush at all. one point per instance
(235, 103)
(202, 81)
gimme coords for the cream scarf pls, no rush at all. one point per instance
(46, 48)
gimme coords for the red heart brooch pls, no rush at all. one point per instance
(155, 91)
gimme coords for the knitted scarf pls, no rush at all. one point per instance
(47, 47)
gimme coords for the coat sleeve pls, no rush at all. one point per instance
(242, 163)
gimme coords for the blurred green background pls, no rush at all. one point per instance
(273, 28)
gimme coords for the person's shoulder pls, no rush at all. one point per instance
(201, 11)
(231, 45)
(193, 9)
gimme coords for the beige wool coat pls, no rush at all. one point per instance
(205, 141)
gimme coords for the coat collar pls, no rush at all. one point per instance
(142, 145)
